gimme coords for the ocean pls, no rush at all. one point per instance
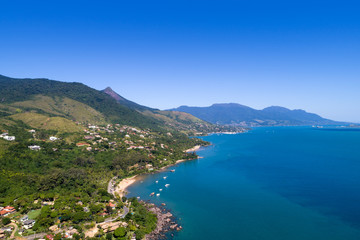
(279, 183)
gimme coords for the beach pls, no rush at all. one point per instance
(124, 184)
(197, 147)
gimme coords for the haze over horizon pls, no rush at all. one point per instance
(299, 55)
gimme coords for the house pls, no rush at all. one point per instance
(112, 205)
(24, 218)
(3, 135)
(7, 210)
(49, 237)
(28, 223)
(89, 137)
(34, 147)
(2, 235)
(81, 144)
(54, 228)
(9, 138)
(52, 138)
(32, 131)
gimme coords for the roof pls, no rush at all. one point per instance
(28, 222)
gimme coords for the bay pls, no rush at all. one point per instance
(268, 183)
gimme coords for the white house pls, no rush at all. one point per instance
(28, 223)
(34, 147)
(3, 135)
(9, 138)
(32, 131)
(52, 138)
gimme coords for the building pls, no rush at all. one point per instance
(34, 147)
(24, 218)
(52, 138)
(28, 223)
(7, 210)
(9, 138)
(81, 144)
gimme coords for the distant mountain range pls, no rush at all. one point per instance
(237, 114)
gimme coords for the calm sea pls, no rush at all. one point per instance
(268, 184)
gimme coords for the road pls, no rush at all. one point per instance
(111, 186)
(34, 236)
(14, 231)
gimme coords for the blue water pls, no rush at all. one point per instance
(270, 183)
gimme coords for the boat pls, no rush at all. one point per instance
(166, 185)
(160, 189)
(158, 194)
(164, 177)
(172, 170)
(152, 194)
(156, 181)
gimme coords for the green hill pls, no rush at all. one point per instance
(23, 92)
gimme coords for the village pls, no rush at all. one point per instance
(49, 216)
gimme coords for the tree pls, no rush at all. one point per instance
(6, 221)
(109, 236)
(120, 232)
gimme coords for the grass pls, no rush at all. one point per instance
(36, 120)
(34, 213)
(63, 107)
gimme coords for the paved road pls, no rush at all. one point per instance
(111, 186)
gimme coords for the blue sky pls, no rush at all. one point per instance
(163, 54)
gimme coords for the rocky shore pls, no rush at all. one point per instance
(166, 225)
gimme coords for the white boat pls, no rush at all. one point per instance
(164, 177)
(158, 194)
(152, 194)
(172, 170)
(156, 181)
(166, 185)
(160, 189)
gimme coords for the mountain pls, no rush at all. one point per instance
(74, 101)
(181, 121)
(237, 114)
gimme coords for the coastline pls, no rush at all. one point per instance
(193, 149)
(122, 186)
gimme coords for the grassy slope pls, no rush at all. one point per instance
(62, 106)
(40, 121)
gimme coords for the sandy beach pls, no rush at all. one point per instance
(124, 184)
(197, 147)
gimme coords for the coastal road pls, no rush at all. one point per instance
(126, 211)
(111, 186)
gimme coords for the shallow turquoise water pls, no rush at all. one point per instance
(270, 183)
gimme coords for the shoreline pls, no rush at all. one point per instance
(193, 149)
(121, 187)
(124, 184)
